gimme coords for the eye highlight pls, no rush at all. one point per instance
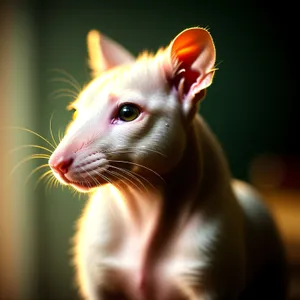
(128, 112)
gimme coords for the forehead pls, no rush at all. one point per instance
(144, 76)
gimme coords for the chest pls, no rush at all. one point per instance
(129, 263)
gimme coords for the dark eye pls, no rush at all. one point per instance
(128, 112)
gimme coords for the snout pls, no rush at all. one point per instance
(83, 170)
(60, 165)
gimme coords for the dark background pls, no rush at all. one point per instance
(251, 105)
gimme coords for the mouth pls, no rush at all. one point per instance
(85, 185)
(83, 171)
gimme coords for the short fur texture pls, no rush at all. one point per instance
(164, 220)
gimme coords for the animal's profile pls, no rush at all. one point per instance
(164, 220)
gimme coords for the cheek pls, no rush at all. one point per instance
(130, 133)
(173, 143)
(155, 143)
(168, 139)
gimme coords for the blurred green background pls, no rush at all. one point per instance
(249, 106)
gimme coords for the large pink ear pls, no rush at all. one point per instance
(190, 65)
(105, 53)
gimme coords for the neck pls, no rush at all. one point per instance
(189, 187)
(162, 207)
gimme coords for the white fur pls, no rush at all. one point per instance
(178, 229)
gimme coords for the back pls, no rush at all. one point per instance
(264, 248)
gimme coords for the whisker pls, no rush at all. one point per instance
(134, 149)
(131, 175)
(74, 192)
(119, 187)
(142, 177)
(31, 146)
(51, 132)
(89, 185)
(48, 173)
(63, 91)
(114, 175)
(59, 135)
(127, 150)
(33, 156)
(72, 78)
(91, 177)
(131, 205)
(65, 95)
(66, 81)
(138, 165)
(56, 183)
(105, 178)
(125, 178)
(94, 179)
(136, 175)
(35, 170)
(32, 132)
(50, 182)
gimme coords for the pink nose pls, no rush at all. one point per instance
(63, 165)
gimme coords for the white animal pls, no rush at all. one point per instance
(164, 220)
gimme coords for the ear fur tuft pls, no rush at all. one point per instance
(105, 53)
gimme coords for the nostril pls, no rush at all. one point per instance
(63, 165)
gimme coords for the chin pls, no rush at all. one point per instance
(82, 188)
(88, 186)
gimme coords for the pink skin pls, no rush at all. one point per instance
(66, 161)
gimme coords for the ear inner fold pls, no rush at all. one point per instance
(192, 57)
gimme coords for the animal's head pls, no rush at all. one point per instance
(134, 115)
